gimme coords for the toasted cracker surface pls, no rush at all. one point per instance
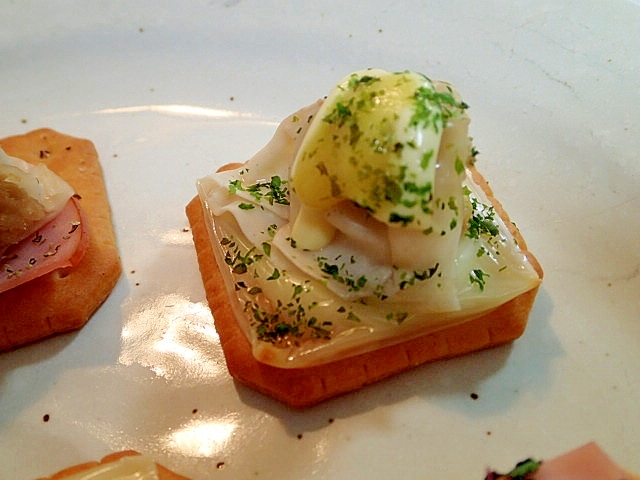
(63, 300)
(163, 472)
(304, 387)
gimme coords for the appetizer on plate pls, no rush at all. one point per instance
(126, 465)
(588, 462)
(359, 242)
(58, 255)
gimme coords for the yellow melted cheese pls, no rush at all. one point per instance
(376, 142)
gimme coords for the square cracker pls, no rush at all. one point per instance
(304, 387)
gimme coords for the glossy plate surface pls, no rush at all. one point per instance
(169, 91)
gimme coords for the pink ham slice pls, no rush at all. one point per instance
(588, 462)
(61, 243)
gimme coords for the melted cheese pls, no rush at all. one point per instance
(360, 280)
(30, 196)
(378, 140)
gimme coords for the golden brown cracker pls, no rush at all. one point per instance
(304, 387)
(63, 300)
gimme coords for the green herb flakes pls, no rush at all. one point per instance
(275, 191)
(478, 276)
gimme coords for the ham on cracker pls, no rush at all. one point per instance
(65, 269)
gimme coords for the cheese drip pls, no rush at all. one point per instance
(30, 196)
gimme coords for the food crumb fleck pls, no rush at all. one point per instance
(24, 120)
(219, 465)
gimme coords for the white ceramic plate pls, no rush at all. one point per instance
(168, 91)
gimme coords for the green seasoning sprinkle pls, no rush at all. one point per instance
(426, 159)
(355, 81)
(236, 259)
(339, 115)
(408, 279)
(524, 468)
(482, 220)
(403, 219)
(275, 275)
(425, 115)
(280, 323)
(397, 317)
(273, 191)
(478, 277)
(522, 471)
(340, 274)
(287, 322)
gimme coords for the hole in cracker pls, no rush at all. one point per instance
(63, 272)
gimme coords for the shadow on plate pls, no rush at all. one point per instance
(52, 356)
